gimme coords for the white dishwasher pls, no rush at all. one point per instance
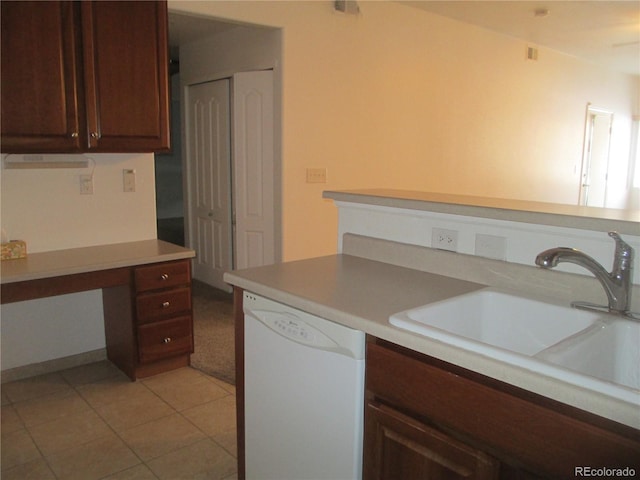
(304, 394)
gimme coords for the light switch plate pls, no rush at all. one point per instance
(491, 246)
(86, 184)
(128, 180)
(316, 175)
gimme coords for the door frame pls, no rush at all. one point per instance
(591, 112)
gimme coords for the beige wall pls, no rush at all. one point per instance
(44, 207)
(399, 98)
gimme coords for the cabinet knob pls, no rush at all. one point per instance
(95, 135)
(164, 276)
(74, 135)
(165, 304)
(166, 340)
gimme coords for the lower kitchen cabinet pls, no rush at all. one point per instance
(149, 324)
(426, 419)
(401, 447)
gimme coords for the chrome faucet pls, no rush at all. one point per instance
(616, 284)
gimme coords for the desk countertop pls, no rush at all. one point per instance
(90, 259)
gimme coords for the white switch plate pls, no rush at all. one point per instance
(491, 246)
(128, 180)
(316, 175)
(86, 184)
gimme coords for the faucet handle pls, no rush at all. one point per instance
(623, 256)
(623, 249)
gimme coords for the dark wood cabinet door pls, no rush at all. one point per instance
(40, 80)
(125, 56)
(400, 447)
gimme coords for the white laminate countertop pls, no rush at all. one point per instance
(542, 213)
(362, 294)
(90, 259)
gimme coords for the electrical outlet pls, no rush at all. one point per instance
(444, 239)
(491, 246)
(86, 184)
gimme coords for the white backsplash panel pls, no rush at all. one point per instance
(518, 242)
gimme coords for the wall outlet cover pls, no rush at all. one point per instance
(444, 239)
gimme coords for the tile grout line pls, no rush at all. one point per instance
(76, 388)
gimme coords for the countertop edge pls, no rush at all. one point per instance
(614, 409)
(587, 218)
(72, 261)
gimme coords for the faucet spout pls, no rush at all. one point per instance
(616, 284)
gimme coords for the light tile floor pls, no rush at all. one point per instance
(92, 422)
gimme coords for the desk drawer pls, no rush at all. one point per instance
(163, 275)
(163, 304)
(165, 339)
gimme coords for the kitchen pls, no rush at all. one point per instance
(320, 39)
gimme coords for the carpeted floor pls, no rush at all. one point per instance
(213, 330)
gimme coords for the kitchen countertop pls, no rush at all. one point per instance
(90, 259)
(362, 294)
(542, 213)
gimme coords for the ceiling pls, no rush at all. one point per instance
(605, 32)
(186, 28)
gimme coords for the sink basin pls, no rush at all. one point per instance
(591, 350)
(490, 319)
(610, 351)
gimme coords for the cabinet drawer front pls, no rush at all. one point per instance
(165, 339)
(163, 304)
(163, 275)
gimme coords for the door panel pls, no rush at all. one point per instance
(401, 447)
(126, 65)
(209, 157)
(254, 194)
(40, 110)
(596, 162)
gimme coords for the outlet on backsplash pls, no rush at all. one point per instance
(444, 239)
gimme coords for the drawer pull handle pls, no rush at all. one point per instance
(165, 304)
(164, 276)
(166, 340)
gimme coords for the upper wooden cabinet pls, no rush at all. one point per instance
(84, 76)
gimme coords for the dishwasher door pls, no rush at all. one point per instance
(304, 394)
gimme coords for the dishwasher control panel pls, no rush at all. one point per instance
(294, 329)
(303, 327)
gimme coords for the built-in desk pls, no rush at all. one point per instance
(146, 292)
